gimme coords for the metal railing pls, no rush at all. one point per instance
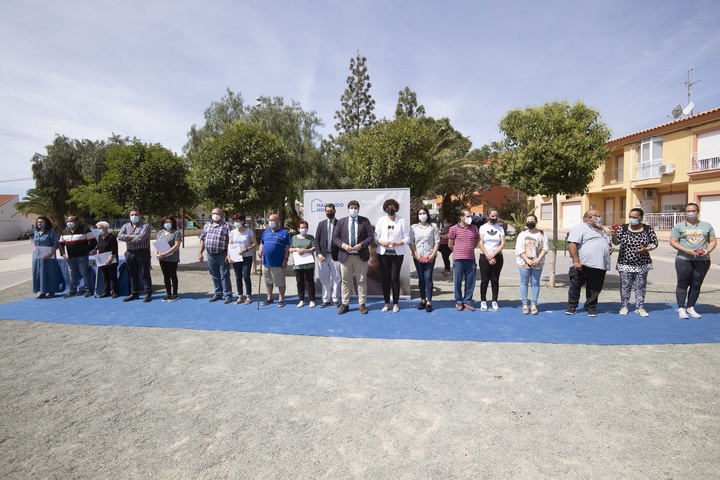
(663, 221)
(612, 176)
(707, 160)
(648, 170)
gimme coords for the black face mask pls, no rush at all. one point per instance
(530, 225)
(330, 215)
(493, 221)
(390, 211)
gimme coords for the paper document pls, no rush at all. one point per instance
(161, 245)
(102, 258)
(42, 252)
(234, 252)
(303, 258)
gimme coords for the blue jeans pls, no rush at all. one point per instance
(464, 270)
(425, 282)
(532, 274)
(220, 273)
(79, 263)
(242, 273)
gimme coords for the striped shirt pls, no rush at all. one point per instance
(216, 236)
(424, 238)
(77, 243)
(465, 239)
(141, 229)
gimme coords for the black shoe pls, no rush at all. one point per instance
(422, 305)
(592, 313)
(70, 295)
(266, 303)
(115, 295)
(88, 294)
(148, 298)
(166, 298)
(104, 295)
(325, 304)
(215, 298)
(173, 298)
(228, 299)
(428, 308)
(570, 311)
(336, 305)
(132, 297)
(40, 295)
(344, 309)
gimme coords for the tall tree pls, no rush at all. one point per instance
(407, 105)
(244, 169)
(218, 116)
(552, 150)
(357, 103)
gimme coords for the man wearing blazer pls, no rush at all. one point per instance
(353, 236)
(327, 258)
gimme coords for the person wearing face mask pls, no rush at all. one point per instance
(328, 267)
(424, 244)
(274, 250)
(530, 249)
(76, 243)
(694, 240)
(492, 242)
(136, 235)
(444, 249)
(169, 259)
(353, 236)
(303, 244)
(107, 242)
(391, 236)
(589, 247)
(47, 279)
(215, 238)
(245, 237)
(463, 238)
(636, 240)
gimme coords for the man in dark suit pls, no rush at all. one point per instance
(353, 236)
(327, 255)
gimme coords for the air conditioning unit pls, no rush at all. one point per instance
(649, 193)
(666, 169)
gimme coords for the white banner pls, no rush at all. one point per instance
(371, 202)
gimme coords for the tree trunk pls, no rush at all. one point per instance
(551, 282)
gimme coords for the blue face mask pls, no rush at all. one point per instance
(353, 212)
(633, 221)
(71, 224)
(134, 218)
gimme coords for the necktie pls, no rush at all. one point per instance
(352, 233)
(329, 239)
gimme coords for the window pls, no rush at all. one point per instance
(546, 211)
(649, 158)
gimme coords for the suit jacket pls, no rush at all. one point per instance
(364, 235)
(321, 239)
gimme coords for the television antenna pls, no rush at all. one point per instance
(679, 110)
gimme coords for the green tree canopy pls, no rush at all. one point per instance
(243, 169)
(357, 103)
(407, 105)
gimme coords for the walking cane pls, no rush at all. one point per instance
(259, 282)
(97, 275)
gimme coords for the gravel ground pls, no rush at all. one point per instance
(115, 402)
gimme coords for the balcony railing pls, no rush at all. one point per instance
(663, 221)
(613, 176)
(648, 170)
(707, 160)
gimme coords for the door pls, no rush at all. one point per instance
(571, 214)
(609, 216)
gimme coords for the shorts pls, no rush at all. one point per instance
(274, 276)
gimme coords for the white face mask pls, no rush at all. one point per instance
(71, 224)
(272, 224)
(467, 220)
(237, 224)
(216, 217)
(303, 231)
(134, 218)
(354, 212)
(167, 226)
(422, 217)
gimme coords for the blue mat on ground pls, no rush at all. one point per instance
(551, 325)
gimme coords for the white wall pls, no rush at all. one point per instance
(10, 226)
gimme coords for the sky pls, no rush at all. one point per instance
(149, 68)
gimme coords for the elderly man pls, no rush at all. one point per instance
(215, 238)
(327, 258)
(76, 243)
(274, 250)
(136, 235)
(463, 239)
(590, 248)
(353, 236)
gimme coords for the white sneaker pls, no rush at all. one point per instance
(396, 309)
(384, 309)
(691, 311)
(642, 312)
(312, 304)
(301, 304)
(483, 306)
(624, 311)
(495, 307)
(682, 313)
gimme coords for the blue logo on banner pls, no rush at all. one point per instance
(317, 205)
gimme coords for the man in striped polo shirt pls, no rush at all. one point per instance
(463, 239)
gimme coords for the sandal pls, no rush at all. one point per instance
(239, 301)
(534, 310)
(525, 310)
(248, 300)
(267, 302)
(281, 303)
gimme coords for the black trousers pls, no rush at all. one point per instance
(490, 274)
(109, 275)
(445, 251)
(390, 272)
(304, 278)
(169, 270)
(593, 279)
(690, 276)
(138, 262)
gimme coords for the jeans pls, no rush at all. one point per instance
(690, 275)
(464, 270)
(220, 273)
(242, 274)
(532, 275)
(425, 280)
(593, 279)
(138, 262)
(79, 263)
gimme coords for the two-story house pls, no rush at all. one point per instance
(659, 170)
